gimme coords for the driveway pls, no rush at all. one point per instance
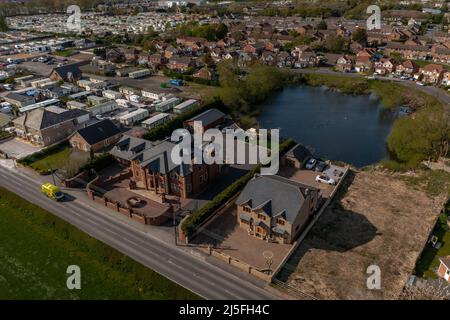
(18, 149)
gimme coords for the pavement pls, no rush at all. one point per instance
(149, 246)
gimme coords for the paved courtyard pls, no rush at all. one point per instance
(17, 148)
(225, 235)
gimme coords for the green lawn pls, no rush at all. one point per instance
(53, 161)
(36, 248)
(64, 53)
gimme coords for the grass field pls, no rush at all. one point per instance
(36, 248)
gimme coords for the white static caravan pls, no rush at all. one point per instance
(185, 106)
(102, 108)
(113, 95)
(167, 105)
(156, 120)
(134, 117)
(139, 74)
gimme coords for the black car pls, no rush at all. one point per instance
(321, 166)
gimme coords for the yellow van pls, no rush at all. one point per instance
(52, 191)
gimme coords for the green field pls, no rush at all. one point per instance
(36, 248)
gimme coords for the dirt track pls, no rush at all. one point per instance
(376, 219)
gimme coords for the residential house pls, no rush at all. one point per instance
(96, 137)
(67, 73)
(153, 170)
(307, 59)
(204, 73)
(205, 120)
(114, 55)
(432, 73)
(407, 67)
(345, 63)
(275, 208)
(180, 63)
(45, 127)
(444, 268)
(255, 48)
(384, 66)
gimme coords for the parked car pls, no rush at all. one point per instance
(321, 166)
(311, 163)
(325, 179)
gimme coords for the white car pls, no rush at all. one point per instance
(325, 179)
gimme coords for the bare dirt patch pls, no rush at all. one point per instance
(375, 219)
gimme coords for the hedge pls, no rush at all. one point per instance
(198, 217)
(26, 161)
(165, 130)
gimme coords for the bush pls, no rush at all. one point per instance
(199, 216)
(99, 163)
(26, 161)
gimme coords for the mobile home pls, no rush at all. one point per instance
(134, 117)
(167, 104)
(185, 106)
(156, 120)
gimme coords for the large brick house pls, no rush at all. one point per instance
(68, 73)
(96, 137)
(153, 169)
(275, 208)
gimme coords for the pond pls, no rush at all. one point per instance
(335, 126)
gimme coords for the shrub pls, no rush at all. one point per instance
(26, 161)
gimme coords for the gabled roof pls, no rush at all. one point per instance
(128, 147)
(445, 261)
(208, 117)
(99, 131)
(299, 152)
(63, 71)
(42, 118)
(275, 195)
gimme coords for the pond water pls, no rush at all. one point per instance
(335, 126)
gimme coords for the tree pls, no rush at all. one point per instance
(360, 35)
(423, 137)
(322, 25)
(3, 24)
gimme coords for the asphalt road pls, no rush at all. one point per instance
(193, 273)
(439, 93)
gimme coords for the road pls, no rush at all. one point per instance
(188, 270)
(439, 93)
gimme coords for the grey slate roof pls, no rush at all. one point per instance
(41, 118)
(208, 117)
(99, 131)
(299, 152)
(128, 147)
(276, 195)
